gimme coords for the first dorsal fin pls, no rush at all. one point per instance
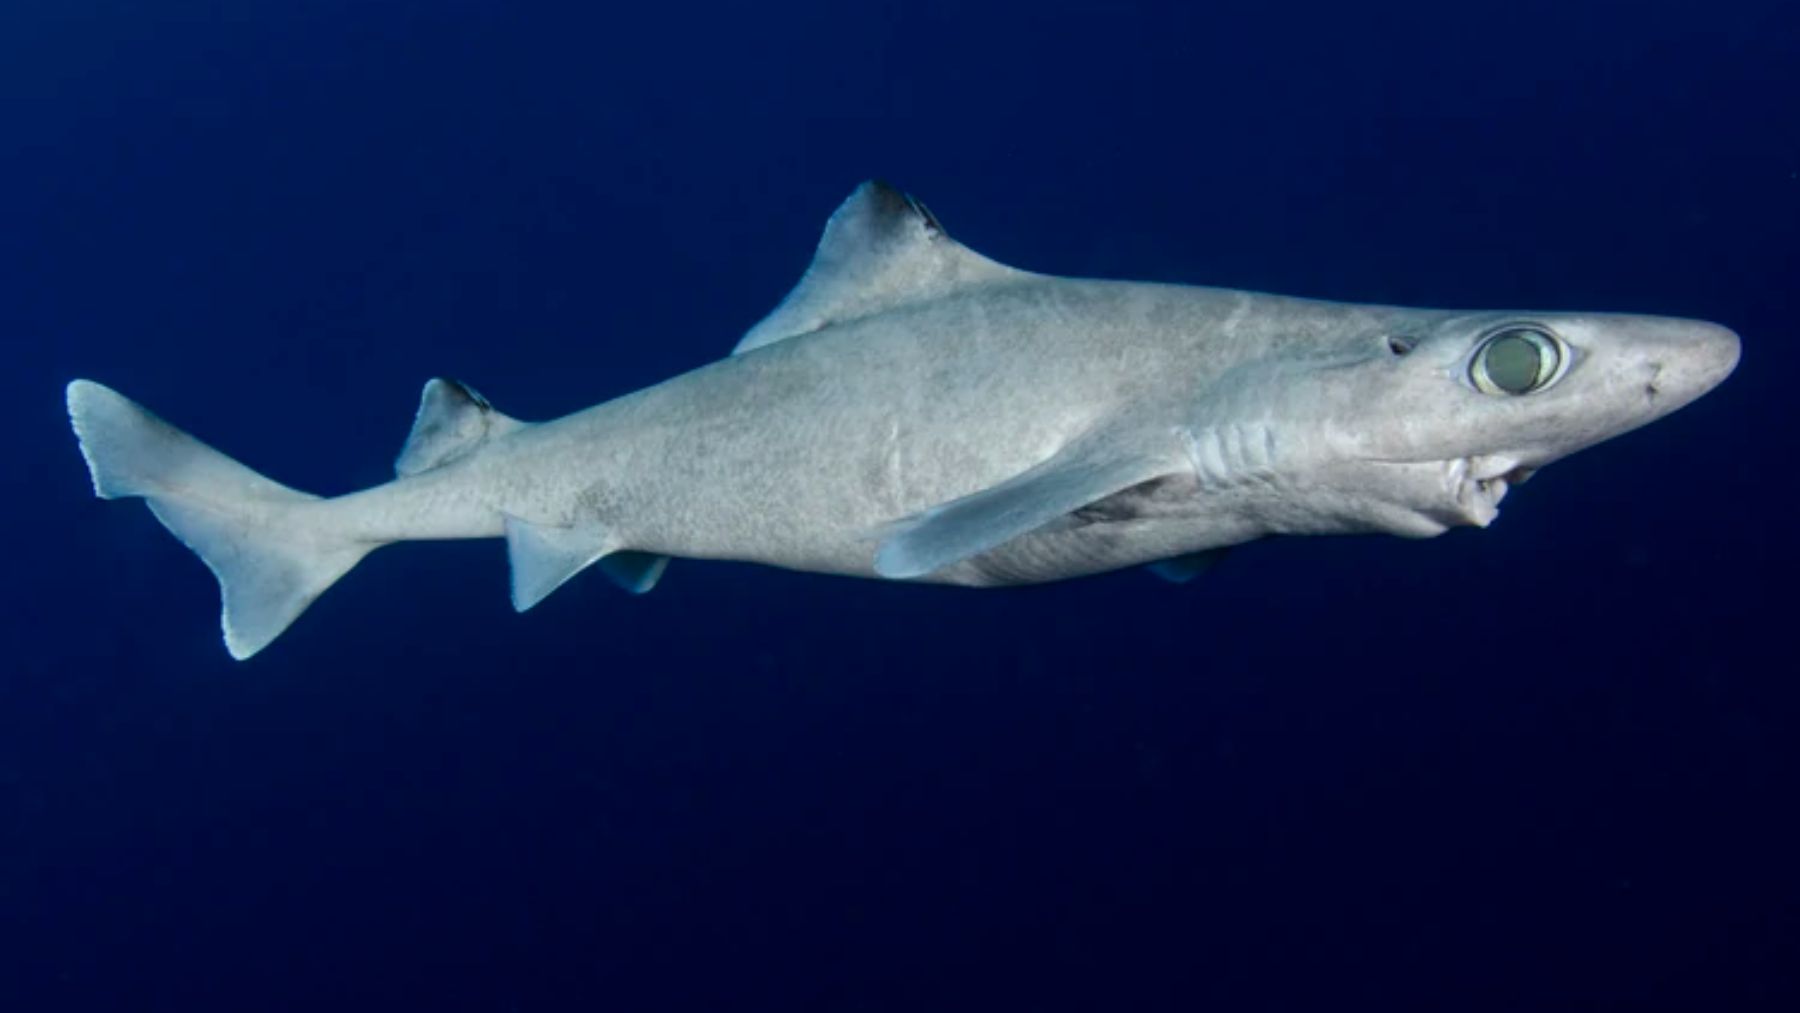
(881, 249)
(453, 420)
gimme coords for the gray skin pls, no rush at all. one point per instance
(916, 411)
(1265, 415)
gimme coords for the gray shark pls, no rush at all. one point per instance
(916, 411)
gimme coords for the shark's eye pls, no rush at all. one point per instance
(1516, 361)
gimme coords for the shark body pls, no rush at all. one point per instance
(916, 411)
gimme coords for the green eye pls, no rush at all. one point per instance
(1516, 361)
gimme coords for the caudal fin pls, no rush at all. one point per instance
(262, 540)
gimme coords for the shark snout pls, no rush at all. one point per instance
(1686, 358)
(1717, 354)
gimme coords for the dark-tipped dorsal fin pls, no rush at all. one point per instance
(452, 422)
(881, 249)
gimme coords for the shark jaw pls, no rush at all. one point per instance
(1476, 485)
(1423, 499)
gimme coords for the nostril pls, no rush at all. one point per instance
(1650, 386)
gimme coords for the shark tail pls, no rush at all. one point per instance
(269, 546)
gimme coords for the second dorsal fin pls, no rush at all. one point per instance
(452, 422)
(881, 249)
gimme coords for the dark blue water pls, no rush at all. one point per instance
(1335, 774)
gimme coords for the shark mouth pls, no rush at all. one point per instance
(1478, 484)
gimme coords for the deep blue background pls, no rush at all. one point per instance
(1339, 773)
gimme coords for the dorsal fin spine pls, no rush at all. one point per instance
(453, 421)
(881, 249)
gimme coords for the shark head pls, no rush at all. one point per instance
(1433, 415)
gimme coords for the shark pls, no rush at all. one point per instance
(915, 411)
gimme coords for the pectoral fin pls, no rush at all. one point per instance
(1082, 473)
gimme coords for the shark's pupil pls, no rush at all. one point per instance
(1516, 362)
